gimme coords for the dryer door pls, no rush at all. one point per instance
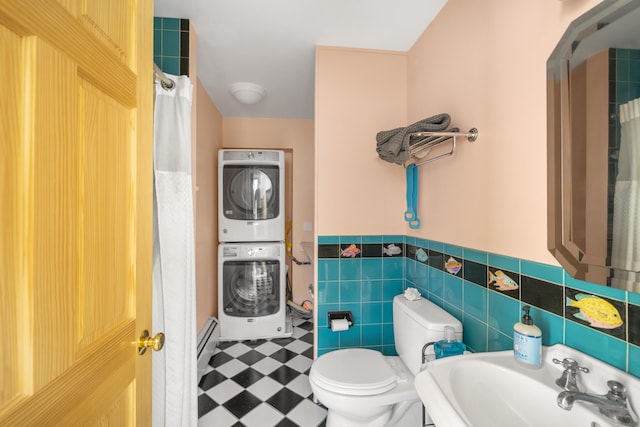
(251, 192)
(251, 288)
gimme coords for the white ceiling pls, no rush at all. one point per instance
(272, 43)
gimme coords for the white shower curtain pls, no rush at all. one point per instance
(625, 253)
(175, 366)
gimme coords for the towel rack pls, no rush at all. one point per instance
(428, 140)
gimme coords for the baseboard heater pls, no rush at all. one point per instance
(207, 342)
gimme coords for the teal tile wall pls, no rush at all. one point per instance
(171, 45)
(626, 74)
(366, 285)
(624, 86)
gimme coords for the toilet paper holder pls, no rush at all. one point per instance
(333, 315)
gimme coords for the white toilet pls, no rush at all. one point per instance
(362, 387)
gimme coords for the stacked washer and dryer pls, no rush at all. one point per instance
(251, 251)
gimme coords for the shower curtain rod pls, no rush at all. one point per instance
(165, 81)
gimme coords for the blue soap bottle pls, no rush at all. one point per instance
(448, 346)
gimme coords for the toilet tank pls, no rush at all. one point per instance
(416, 323)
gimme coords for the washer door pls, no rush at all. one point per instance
(251, 288)
(251, 192)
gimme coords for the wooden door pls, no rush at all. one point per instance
(76, 190)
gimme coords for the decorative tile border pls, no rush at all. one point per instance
(486, 293)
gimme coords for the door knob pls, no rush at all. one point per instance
(145, 341)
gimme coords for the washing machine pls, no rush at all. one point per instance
(251, 195)
(252, 290)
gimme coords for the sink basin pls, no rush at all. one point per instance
(494, 390)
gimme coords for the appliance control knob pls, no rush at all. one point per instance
(251, 155)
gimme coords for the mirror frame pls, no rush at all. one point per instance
(559, 134)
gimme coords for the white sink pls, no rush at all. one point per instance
(493, 390)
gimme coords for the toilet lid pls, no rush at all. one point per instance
(355, 371)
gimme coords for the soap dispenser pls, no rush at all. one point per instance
(527, 341)
(448, 346)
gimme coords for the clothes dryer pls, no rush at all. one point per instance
(251, 195)
(252, 290)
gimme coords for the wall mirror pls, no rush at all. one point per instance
(593, 106)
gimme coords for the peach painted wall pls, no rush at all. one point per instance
(208, 140)
(485, 64)
(490, 74)
(294, 136)
(358, 93)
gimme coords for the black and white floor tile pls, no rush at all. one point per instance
(261, 383)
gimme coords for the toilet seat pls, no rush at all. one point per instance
(354, 371)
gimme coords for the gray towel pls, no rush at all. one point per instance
(393, 145)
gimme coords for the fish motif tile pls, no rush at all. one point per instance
(504, 281)
(600, 313)
(350, 251)
(453, 266)
(421, 255)
(391, 249)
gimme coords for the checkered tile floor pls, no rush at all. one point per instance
(261, 383)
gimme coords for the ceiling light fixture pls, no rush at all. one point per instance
(247, 93)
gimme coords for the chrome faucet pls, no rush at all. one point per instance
(569, 379)
(613, 404)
